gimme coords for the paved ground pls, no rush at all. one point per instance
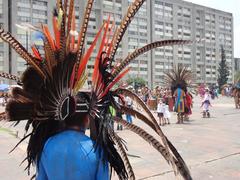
(211, 147)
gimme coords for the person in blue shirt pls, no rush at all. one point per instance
(70, 154)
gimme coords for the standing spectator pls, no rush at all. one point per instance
(160, 110)
(129, 104)
(166, 113)
(119, 114)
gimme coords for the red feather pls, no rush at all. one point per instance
(120, 76)
(88, 54)
(73, 29)
(108, 38)
(36, 53)
(49, 38)
(96, 75)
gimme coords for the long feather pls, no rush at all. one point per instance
(82, 34)
(87, 55)
(132, 10)
(139, 115)
(10, 77)
(63, 38)
(123, 154)
(36, 53)
(73, 29)
(139, 101)
(7, 37)
(96, 65)
(48, 37)
(56, 32)
(156, 144)
(70, 16)
(153, 123)
(145, 49)
(120, 76)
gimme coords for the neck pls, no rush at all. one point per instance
(77, 128)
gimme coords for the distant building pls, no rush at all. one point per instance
(237, 64)
(156, 20)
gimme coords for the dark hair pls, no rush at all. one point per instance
(43, 130)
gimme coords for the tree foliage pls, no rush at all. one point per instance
(136, 82)
(223, 70)
(237, 77)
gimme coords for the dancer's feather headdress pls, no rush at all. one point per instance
(179, 76)
(52, 80)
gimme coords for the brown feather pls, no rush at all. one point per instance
(7, 37)
(49, 57)
(139, 101)
(132, 10)
(63, 39)
(117, 140)
(151, 123)
(82, 34)
(156, 144)
(10, 77)
(145, 49)
(70, 14)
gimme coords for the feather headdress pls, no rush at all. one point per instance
(50, 85)
(179, 76)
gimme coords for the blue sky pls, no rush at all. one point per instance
(232, 6)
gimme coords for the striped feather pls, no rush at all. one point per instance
(87, 55)
(56, 32)
(82, 34)
(145, 49)
(117, 140)
(96, 75)
(120, 76)
(151, 123)
(132, 10)
(7, 37)
(48, 37)
(63, 38)
(10, 77)
(70, 16)
(156, 144)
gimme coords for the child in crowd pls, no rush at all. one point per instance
(166, 113)
(129, 103)
(206, 103)
(160, 111)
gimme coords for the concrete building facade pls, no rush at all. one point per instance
(156, 20)
(237, 64)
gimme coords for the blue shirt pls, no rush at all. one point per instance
(69, 155)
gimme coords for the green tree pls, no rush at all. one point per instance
(237, 77)
(136, 82)
(223, 70)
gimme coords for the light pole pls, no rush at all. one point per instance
(27, 28)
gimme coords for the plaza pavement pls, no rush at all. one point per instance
(210, 147)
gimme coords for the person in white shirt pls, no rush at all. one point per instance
(129, 103)
(166, 113)
(206, 102)
(160, 111)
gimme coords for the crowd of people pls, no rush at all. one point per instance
(163, 101)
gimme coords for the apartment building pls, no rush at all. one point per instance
(171, 19)
(156, 20)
